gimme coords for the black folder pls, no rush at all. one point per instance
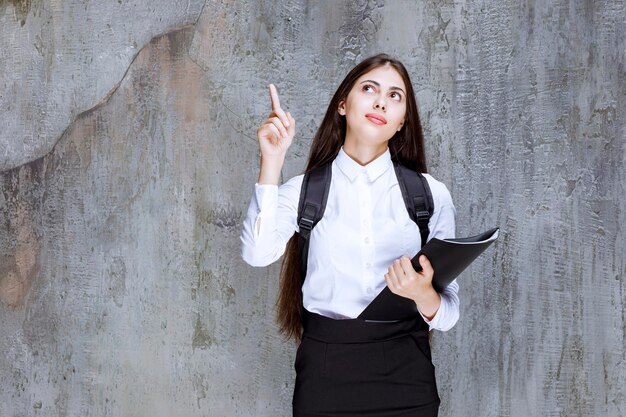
(449, 257)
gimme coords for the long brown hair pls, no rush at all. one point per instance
(406, 146)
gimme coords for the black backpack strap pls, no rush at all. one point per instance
(417, 197)
(313, 197)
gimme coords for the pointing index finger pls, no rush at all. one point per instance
(274, 98)
(276, 106)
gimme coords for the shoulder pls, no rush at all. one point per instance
(441, 194)
(293, 182)
(291, 188)
(442, 222)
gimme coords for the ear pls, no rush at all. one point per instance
(342, 108)
(401, 124)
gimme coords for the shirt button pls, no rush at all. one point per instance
(366, 240)
(368, 265)
(369, 290)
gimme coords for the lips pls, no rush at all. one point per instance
(376, 119)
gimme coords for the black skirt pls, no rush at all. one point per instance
(354, 367)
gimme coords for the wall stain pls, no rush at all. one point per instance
(19, 264)
(201, 337)
(116, 280)
(201, 386)
(224, 218)
(22, 8)
(206, 285)
(228, 293)
(17, 276)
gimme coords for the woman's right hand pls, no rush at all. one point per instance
(276, 133)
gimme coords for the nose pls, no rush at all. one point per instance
(380, 103)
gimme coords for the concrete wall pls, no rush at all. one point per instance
(129, 157)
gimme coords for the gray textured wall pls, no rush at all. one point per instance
(128, 159)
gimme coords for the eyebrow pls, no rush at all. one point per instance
(378, 85)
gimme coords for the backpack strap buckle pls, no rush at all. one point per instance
(306, 224)
(423, 215)
(307, 221)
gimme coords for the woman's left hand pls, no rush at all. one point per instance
(403, 280)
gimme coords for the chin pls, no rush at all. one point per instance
(371, 139)
(371, 135)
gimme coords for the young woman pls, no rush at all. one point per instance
(346, 366)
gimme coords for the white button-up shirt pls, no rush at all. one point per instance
(365, 227)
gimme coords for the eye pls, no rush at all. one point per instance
(397, 95)
(366, 86)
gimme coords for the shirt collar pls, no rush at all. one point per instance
(374, 169)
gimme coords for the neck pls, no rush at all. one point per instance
(363, 153)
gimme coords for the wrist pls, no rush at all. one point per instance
(428, 302)
(425, 295)
(271, 167)
(272, 161)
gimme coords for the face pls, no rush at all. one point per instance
(375, 107)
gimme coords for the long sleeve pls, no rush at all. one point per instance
(442, 226)
(270, 222)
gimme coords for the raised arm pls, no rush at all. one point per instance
(275, 136)
(272, 213)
